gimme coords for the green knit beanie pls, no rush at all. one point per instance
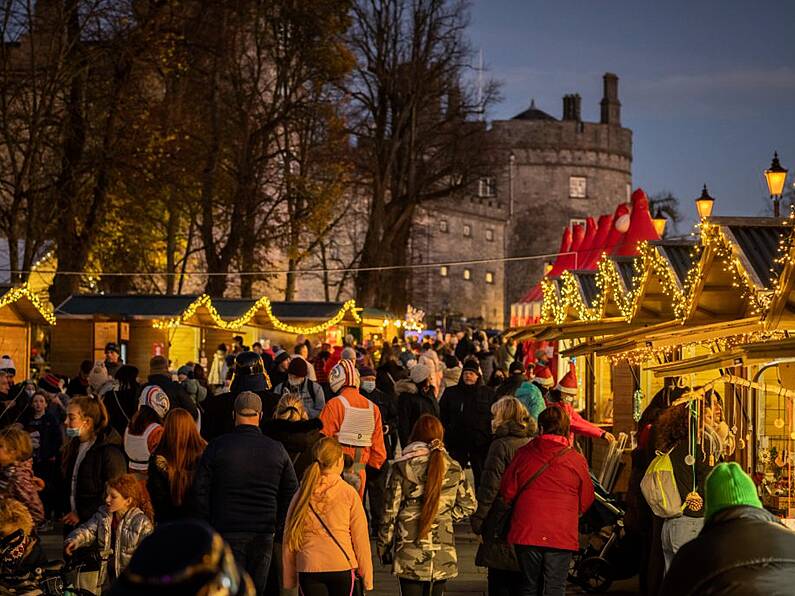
(728, 486)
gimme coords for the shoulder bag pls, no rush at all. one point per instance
(358, 585)
(498, 519)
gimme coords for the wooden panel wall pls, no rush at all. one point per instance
(71, 342)
(184, 343)
(140, 347)
(624, 386)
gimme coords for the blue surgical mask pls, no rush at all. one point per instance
(368, 386)
(72, 432)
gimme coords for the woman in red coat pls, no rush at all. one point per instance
(546, 513)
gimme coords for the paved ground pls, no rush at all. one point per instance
(470, 581)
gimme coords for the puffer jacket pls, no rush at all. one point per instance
(412, 403)
(741, 551)
(133, 528)
(508, 438)
(433, 557)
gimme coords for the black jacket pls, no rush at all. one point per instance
(47, 434)
(121, 404)
(508, 438)
(465, 412)
(244, 483)
(104, 461)
(298, 438)
(76, 387)
(389, 417)
(218, 419)
(387, 375)
(177, 395)
(741, 551)
(412, 404)
(159, 488)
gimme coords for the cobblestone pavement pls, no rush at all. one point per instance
(470, 581)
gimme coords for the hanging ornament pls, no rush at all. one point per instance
(694, 502)
(741, 443)
(689, 459)
(778, 423)
(637, 400)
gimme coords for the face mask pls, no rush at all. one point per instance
(72, 432)
(368, 386)
(294, 381)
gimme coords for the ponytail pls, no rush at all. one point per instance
(428, 429)
(327, 452)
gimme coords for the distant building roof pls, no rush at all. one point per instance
(533, 113)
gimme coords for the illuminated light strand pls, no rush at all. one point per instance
(205, 301)
(24, 291)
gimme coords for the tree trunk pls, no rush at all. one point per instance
(172, 227)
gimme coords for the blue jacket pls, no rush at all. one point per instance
(244, 483)
(531, 398)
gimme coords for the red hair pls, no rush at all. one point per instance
(429, 429)
(130, 487)
(181, 445)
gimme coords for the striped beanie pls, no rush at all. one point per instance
(344, 374)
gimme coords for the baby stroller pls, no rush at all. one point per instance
(606, 553)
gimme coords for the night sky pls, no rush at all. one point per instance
(707, 87)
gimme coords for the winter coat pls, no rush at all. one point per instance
(547, 512)
(159, 488)
(177, 396)
(741, 551)
(388, 374)
(244, 482)
(465, 412)
(432, 557)
(121, 404)
(312, 395)
(103, 461)
(46, 436)
(132, 529)
(389, 418)
(530, 396)
(195, 390)
(487, 364)
(505, 356)
(508, 438)
(218, 418)
(333, 416)
(577, 424)
(298, 438)
(77, 386)
(413, 403)
(16, 482)
(510, 385)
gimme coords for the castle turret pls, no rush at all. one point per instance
(571, 107)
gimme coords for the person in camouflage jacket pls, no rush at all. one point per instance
(433, 557)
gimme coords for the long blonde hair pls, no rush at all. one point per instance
(327, 452)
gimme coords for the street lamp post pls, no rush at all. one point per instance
(659, 222)
(775, 177)
(704, 204)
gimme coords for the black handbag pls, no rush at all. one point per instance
(498, 520)
(358, 584)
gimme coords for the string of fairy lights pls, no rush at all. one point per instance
(564, 299)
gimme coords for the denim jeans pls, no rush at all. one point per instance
(253, 552)
(550, 565)
(676, 532)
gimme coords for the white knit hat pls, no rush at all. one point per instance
(344, 374)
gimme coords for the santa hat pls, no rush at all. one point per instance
(568, 384)
(344, 374)
(543, 376)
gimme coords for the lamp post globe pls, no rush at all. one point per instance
(776, 176)
(704, 204)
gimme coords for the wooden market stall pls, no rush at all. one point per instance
(21, 313)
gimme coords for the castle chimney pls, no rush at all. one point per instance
(611, 107)
(571, 107)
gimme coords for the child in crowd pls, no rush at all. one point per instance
(117, 528)
(20, 550)
(16, 471)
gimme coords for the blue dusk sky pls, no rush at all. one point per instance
(707, 86)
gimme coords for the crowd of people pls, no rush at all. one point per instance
(286, 467)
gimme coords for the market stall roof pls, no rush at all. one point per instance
(782, 304)
(153, 306)
(571, 330)
(26, 304)
(751, 353)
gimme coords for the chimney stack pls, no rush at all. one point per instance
(571, 107)
(611, 107)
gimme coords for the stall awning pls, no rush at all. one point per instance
(573, 330)
(752, 353)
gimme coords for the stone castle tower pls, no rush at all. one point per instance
(548, 174)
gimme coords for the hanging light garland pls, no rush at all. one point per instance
(205, 302)
(24, 291)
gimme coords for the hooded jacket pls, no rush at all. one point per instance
(412, 403)
(298, 438)
(465, 412)
(508, 438)
(133, 528)
(742, 551)
(103, 461)
(432, 557)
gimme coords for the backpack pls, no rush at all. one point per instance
(659, 487)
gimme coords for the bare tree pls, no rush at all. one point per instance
(415, 120)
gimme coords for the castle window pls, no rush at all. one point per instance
(489, 277)
(467, 231)
(575, 221)
(443, 271)
(578, 187)
(487, 187)
(443, 227)
(489, 235)
(468, 274)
